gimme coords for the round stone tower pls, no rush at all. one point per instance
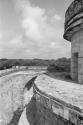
(74, 33)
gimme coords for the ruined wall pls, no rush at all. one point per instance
(50, 111)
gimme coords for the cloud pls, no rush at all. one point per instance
(1, 36)
(42, 34)
(37, 24)
(33, 21)
(57, 17)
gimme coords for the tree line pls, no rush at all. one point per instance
(61, 64)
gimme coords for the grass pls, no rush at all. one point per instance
(60, 75)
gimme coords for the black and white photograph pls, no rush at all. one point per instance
(41, 62)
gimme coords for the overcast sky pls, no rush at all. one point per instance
(33, 29)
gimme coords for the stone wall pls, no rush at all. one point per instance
(9, 71)
(77, 47)
(73, 19)
(73, 32)
(13, 95)
(50, 111)
(74, 9)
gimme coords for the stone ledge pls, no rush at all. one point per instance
(74, 9)
(75, 26)
(73, 19)
(47, 93)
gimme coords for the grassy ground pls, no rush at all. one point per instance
(60, 75)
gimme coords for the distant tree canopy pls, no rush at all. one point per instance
(62, 64)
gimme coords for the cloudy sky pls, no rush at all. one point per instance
(33, 29)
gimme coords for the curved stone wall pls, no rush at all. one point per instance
(73, 19)
(51, 110)
(9, 71)
(13, 94)
(77, 60)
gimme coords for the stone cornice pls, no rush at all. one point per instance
(73, 19)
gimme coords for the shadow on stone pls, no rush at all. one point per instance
(16, 117)
(30, 83)
(31, 112)
(30, 108)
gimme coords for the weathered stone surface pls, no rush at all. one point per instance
(70, 93)
(45, 116)
(73, 19)
(77, 47)
(13, 94)
(74, 9)
(64, 99)
(74, 33)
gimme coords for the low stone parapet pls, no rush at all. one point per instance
(62, 100)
